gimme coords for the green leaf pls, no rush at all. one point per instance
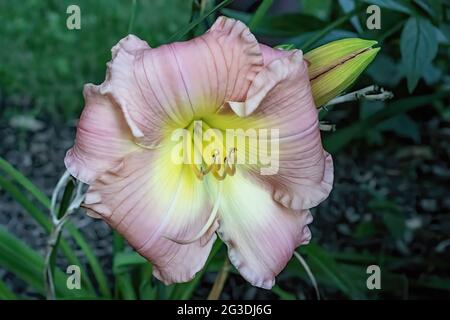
(393, 217)
(395, 5)
(126, 289)
(403, 126)
(183, 31)
(5, 293)
(342, 137)
(125, 261)
(260, 13)
(418, 46)
(327, 29)
(97, 270)
(319, 9)
(284, 295)
(65, 201)
(28, 265)
(320, 259)
(43, 221)
(146, 289)
(24, 182)
(283, 25)
(347, 6)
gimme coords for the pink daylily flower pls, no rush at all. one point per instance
(170, 213)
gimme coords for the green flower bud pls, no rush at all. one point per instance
(335, 66)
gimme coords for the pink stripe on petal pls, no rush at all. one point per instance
(280, 98)
(149, 200)
(102, 139)
(261, 235)
(167, 87)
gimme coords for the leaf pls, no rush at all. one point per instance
(5, 293)
(24, 182)
(368, 108)
(320, 259)
(393, 217)
(125, 285)
(284, 295)
(432, 7)
(282, 25)
(344, 136)
(347, 6)
(146, 289)
(418, 46)
(396, 5)
(385, 71)
(43, 221)
(402, 125)
(319, 9)
(183, 31)
(125, 261)
(28, 265)
(260, 13)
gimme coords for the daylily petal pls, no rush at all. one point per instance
(102, 139)
(261, 235)
(149, 200)
(159, 89)
(270, 54)
(280, 98)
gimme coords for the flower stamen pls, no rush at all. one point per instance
(229, 167)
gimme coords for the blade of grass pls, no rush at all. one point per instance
(260, 13)
(5, 293)
(146, 290)
(43, 221)
(322, 33)
(24, 182)
(181, 33)
(125, 285)
(125, 261)
(28, 265)
(320, 259)
(97, 270)
(284, 295)
(121, 262)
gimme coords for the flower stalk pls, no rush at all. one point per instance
(60, 214)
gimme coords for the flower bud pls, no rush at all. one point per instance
(334, 67)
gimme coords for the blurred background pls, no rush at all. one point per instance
(390, 205)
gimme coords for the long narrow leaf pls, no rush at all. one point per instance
(28, 265)
(43, 221)
(181, 33)
(24, 182)
(5, 293)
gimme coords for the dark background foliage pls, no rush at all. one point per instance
(390, 203)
